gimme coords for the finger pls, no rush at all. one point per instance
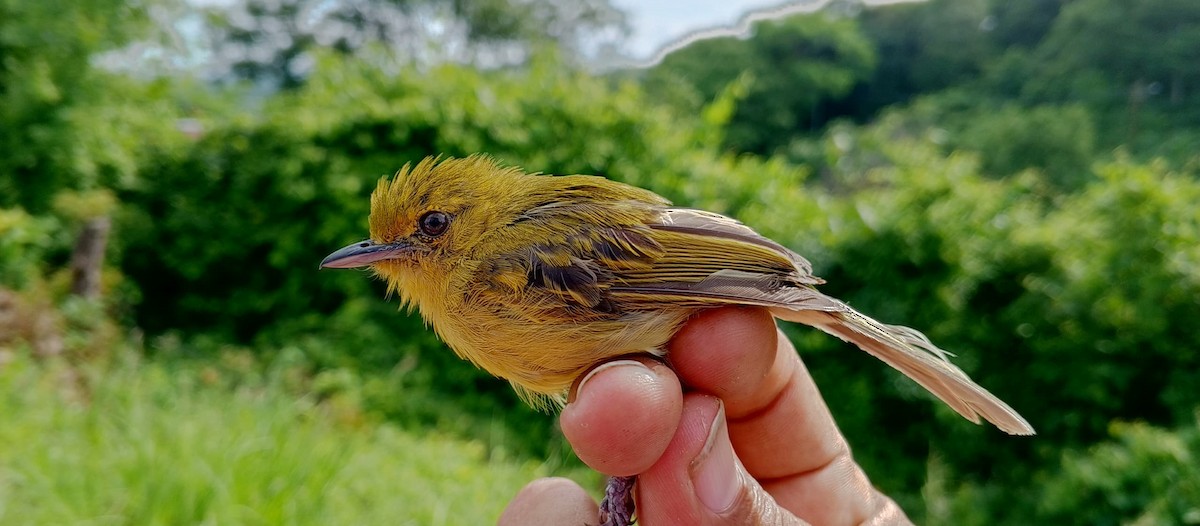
(778, 423)
(623, 415)
(699, 481)
(550, 501)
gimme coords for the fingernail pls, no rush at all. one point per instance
(605, 366)
(715, 473)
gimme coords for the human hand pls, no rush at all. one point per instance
(751, 442)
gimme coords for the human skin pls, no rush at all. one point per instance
(748, 441)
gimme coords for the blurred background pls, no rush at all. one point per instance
(1017, 178)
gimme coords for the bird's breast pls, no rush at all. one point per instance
(545, 353)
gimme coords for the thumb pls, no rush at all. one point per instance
(699, 479)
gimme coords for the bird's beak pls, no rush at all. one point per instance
(365, 253)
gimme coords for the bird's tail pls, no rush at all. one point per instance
(914, 355)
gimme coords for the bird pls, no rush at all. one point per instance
(537, 278)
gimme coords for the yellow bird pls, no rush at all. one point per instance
(537, 278)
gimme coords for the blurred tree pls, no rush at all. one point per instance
(1072, 308)
(1135, 50)
(792, 66)
(1022, 23)
(922, 47)
(64, 123)
(1144, 475)
(93, 211)
(700, 72)
(1060, 141)
(1057, 141)
(271, 40)
(24, 242)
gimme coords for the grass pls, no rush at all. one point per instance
(145, 443)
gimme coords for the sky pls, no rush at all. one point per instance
(657, 22)
(660, 26)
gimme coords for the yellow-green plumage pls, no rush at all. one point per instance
(537, 278)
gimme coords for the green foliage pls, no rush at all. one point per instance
(1125, 285)
(922, 47)
(233, 218)
(81, 206)
(793, 66)
(1130, 63)
(1076, 310)
(1023, 23)
(396, 369)
(24, 243)
(1057, 141)
(1126, 42)
(63, 123)
(1118, 72)
(147, 443)
(1144, 475)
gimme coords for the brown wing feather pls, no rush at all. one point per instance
(703, 223)
(912, 354)
(693, 258)
(759, 277)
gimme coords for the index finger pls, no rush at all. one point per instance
(780, 426)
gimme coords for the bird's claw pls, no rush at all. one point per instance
(616, 509)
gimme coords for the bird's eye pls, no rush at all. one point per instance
(434, 223)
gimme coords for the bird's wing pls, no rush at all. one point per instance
(709, 259)
(676, 257)
(702, 223)
(691, 258)
(758, 279)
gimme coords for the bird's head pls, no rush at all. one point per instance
(427, 219)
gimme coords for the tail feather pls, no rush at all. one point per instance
(913, 354)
